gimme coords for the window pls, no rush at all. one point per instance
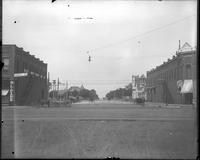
(188, 71)
(167, 75)
(6, 64)
(172, 74)
(178, 73)
(181, 72)
(17, 65)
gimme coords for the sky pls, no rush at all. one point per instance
(123, 38)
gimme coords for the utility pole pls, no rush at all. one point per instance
(133, 87)
(57, 88)
(54, 88)
(66, 90)
(48, 85)
(58, 85)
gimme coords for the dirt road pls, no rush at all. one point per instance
(86, 132)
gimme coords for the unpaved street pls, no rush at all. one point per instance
(99, 131)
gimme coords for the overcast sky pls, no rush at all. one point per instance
(114, 37)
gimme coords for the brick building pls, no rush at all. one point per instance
(24, 77)
(174, 81)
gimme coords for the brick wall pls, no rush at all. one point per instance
(162, 81)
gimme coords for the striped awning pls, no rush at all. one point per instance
(4, 92)
(187, 86)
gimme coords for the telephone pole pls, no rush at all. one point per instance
(66, 90)
(58, 85)
(54, 88)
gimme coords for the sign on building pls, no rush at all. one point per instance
(20, 74)
(11, 91)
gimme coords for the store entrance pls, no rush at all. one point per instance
(188, 98)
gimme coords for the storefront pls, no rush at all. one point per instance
(187, 91)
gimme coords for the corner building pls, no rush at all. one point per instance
(174, 82)
(24, 77)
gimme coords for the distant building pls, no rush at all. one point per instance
(174, 81)
(24, 77)
(138, 86)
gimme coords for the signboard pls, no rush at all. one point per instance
(4, 92)
(11, 91)
(20, 74)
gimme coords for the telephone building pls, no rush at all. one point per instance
(24, 77)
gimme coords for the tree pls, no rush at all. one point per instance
(92, 95)
(120, 92)
(74, 93)
(84, 93)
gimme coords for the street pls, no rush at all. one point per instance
(99, 110)
(99, 130)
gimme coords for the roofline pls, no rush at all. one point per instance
(175, 57)
(26, 52)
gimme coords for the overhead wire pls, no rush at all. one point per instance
(141, 34)
(96, 82)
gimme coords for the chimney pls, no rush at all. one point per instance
(179, 44)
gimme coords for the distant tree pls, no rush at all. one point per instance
(120, 92)
(110, 95)
(92, 95)
(74, 93)
(84, 93)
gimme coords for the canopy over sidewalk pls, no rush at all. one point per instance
(187, 86)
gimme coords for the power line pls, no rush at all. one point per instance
(99, 82)
(142, 34)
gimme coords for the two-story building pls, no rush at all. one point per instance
(24, 77)
(174, 81)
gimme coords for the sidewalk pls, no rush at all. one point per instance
(16, 107)
(168, 105)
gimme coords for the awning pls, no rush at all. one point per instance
(4, 92)
(187, 86)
